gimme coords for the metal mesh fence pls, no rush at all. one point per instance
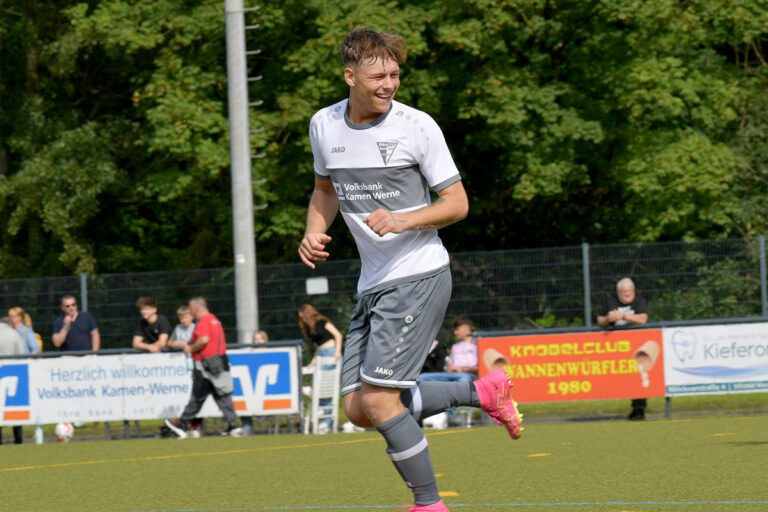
(499, 290)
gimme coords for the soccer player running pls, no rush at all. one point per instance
(375, 159)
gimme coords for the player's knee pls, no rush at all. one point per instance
(354, 411)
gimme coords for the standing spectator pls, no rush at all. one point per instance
(22, 322)
(626, 309)
(75, 330)
(153, 329)
(375, 160)
(207, 342)
(10, 344)
(182, 333)
(319, 330)
(179, 338)
(328, 339)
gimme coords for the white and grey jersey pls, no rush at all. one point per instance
(389, 163)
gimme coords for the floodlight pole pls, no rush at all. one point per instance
(242, 191)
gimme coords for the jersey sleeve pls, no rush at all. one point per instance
(314, 141)
(436, 162)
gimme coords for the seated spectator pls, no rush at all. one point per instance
(22, 322)
(259, 338)
(435, 361)
(153, 329)
(182, 333)
(462, 363)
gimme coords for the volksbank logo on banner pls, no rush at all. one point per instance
(262, 380)
(14, 392)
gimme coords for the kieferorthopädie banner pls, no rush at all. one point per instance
(140, 386)
(716, 359)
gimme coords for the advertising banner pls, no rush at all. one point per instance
(140, 386)
(716, 359)
(579, 366)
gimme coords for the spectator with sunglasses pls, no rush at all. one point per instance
(75, 330)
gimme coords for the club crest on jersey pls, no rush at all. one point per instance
(386, 149)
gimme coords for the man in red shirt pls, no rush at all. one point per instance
(207, 340)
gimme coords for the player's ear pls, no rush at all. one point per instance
(349, 77)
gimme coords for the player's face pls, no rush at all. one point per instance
(372, 88)
(626, 294)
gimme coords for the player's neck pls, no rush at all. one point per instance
(357, 114)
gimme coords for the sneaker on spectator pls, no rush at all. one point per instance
(493, 390)
(176, 428)
(323, 428)
(435, 507)
(233, 431)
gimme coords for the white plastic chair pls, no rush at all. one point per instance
(325, 384)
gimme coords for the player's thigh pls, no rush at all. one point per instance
(404, 321)
(355, 346)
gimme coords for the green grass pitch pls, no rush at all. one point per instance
(707, 464)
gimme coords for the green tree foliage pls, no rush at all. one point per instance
(599, 121)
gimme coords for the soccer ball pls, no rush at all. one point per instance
(64, 432)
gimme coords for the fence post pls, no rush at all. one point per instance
(587, 290)
(763, 288)
(83, 291)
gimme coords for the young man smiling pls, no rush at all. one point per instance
(375, 160)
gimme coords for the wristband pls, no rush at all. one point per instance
(65, 328)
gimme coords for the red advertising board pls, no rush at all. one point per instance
(579, 366)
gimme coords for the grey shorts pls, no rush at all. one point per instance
(391, 332)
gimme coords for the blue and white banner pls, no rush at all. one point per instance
(716, 359)
(140, 386)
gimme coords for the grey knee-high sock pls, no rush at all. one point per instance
(408, 450)
(428, 398)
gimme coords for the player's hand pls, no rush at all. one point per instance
(312, 248)
(384, 221)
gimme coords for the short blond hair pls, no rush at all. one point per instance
(363, 44)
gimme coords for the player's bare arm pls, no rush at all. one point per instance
(451, 207)
(322, 210)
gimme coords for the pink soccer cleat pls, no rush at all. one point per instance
(435, 507)
(495, 399)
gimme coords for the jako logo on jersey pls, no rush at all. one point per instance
(383, 371)
(338, 149)
(14, 392)
(386, 149)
